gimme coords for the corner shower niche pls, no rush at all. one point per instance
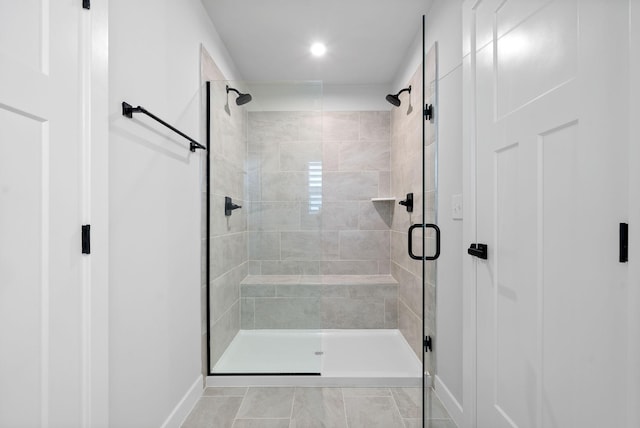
(300, 279)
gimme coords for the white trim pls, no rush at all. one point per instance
(186, 404)
(86, 80)
(469, 358)
(633, 279)
(97, 298)
(44, 277)
(448, 401)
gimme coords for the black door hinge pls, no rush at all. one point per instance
(428, 346)
(428, 112)
(478, 250)
(624, 243)
(86, 239)
(86, 4)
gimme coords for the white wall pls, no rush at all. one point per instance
(356, 97)
(154, 199)
(449, 283)
(444, 26)
(316, 96)
(412, 60)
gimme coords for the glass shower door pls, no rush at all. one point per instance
(431, 232)
(266, 155)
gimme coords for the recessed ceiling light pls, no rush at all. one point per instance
(318, 49)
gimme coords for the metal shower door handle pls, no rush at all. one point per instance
(410, 241)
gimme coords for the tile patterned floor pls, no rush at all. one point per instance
(296, 407)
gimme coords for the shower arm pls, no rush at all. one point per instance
(128, 110)
(404, 90)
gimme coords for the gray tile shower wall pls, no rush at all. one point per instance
(228, 234)
(311, 177)
(406, 177)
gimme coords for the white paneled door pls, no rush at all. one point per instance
(552, 177)
(44, 358)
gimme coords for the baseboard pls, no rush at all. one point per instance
(449, 401)
(182, 409)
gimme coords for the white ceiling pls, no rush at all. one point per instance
(366, 39)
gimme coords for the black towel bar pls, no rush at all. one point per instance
(128, 110)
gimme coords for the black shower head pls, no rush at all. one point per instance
(242, 98)
(395, 99)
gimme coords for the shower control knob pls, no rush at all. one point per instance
(408, 202)
(229, 206)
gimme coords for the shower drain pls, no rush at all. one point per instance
(319, 353)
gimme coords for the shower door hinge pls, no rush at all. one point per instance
(86, 239)
(428, 345)
(86, 4)
(428, 111)
(624, 243)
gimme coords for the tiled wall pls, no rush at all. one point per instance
(327, 301)
(228, 246)
(406, 177)
(311, 180)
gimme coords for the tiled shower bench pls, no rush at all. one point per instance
(319, 302)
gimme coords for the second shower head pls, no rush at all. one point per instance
(395, 99)
(242, 98)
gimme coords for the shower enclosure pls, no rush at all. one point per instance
(311, 274)
(305, 264)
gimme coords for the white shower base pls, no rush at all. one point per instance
(341, 357)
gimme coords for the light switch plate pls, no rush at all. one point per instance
(456, 207)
